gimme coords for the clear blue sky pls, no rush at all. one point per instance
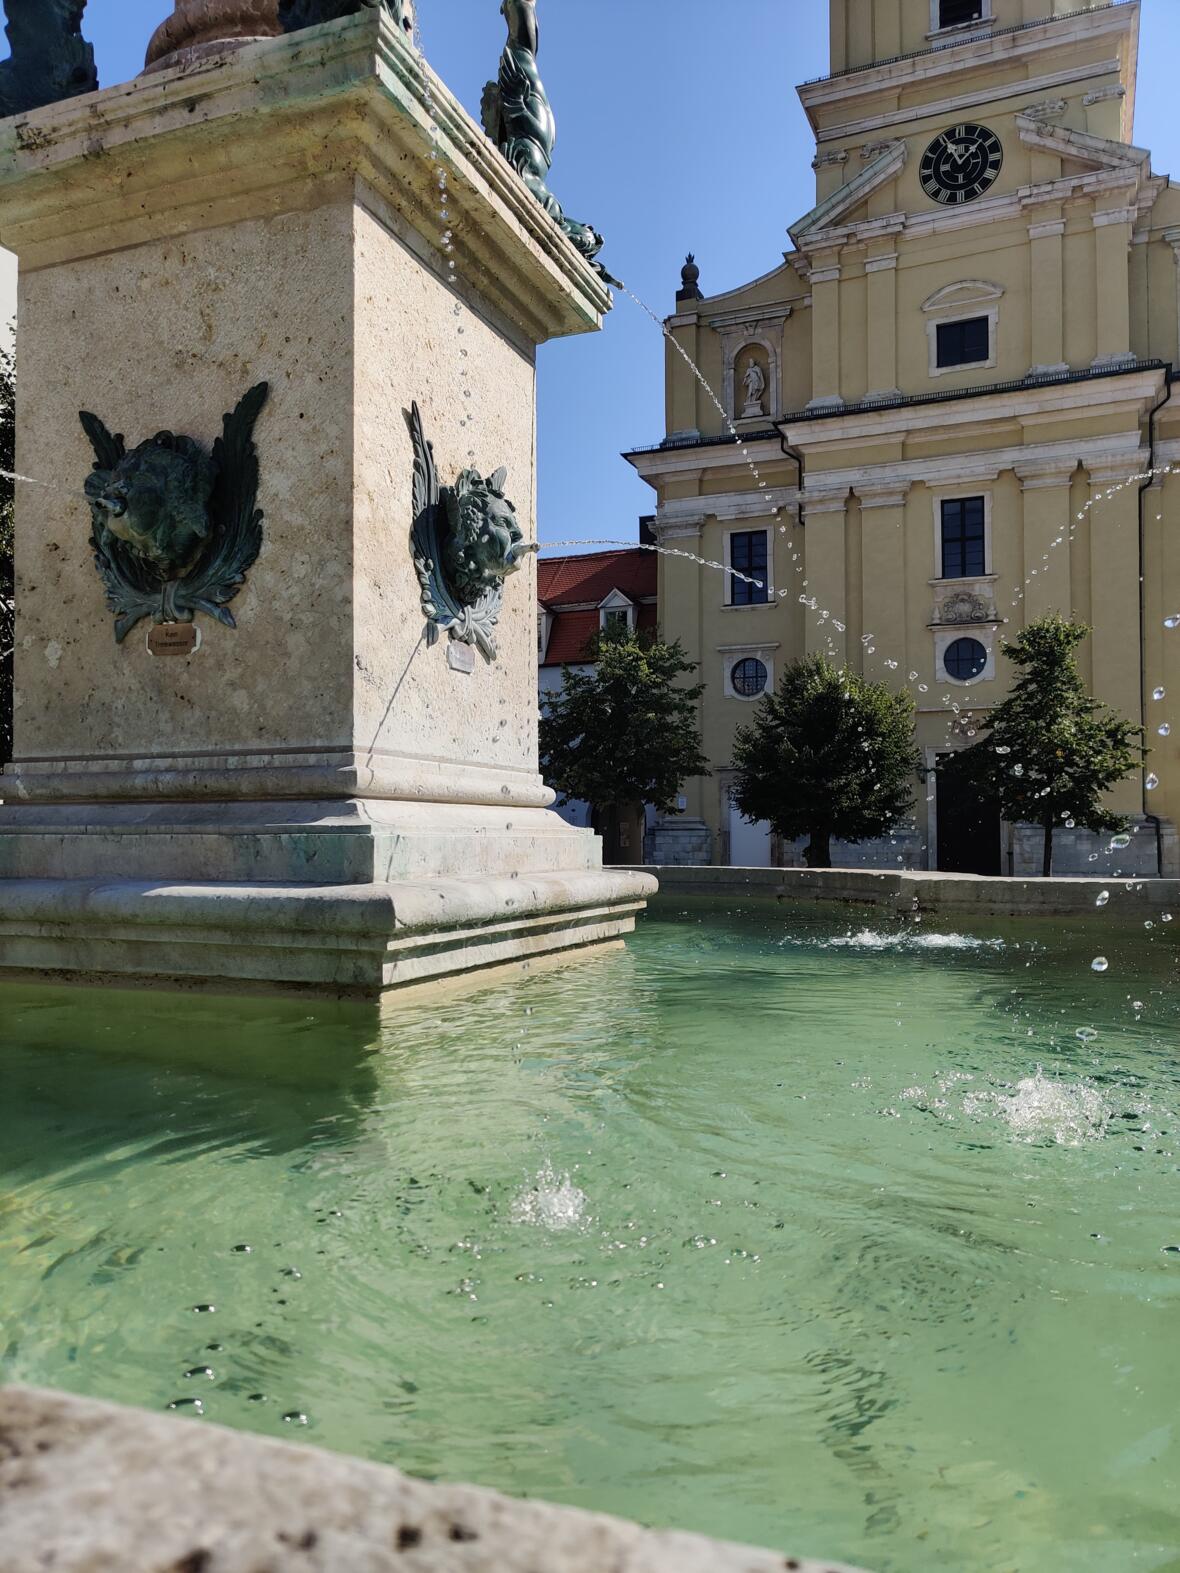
(678, 129)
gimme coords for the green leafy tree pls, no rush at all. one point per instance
(625, 733)
(1051, 752)
(827, 755)
(7, 571)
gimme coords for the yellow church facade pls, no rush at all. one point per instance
(939, 416)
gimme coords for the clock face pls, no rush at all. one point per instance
(961, 164)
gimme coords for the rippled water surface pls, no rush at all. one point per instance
(852, 1240)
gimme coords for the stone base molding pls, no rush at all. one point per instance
(90, 1487)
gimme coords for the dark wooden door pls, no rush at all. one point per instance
(968, 829)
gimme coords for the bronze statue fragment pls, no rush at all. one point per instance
(297, 14)
(466, 541)
(175, 529)
(519, 118)
(50, 59)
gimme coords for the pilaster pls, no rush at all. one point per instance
(1112, 250)
(825, 331)
(1172, 236)
(824, 545)
(1047, 279)
(1046, 488)
(1116, 641)
(881, 273)
(882, 513)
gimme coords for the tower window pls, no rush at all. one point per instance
(952, 13)
(966, 343)
(964, 538)
(748, 557)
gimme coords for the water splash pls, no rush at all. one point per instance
(1043, 1109)
(551, 1202)
(909, 940)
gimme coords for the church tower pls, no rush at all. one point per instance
(969, 353)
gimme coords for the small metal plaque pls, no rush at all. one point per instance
(460, 657)
(174, 639)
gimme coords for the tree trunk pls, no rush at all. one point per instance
(1047, 860)
(818, 851)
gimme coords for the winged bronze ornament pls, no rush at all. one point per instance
(175, 529)
(466, 541)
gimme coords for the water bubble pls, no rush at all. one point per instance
(295, 1417)
(1138, 1005)
(194, 1404)
(1159, 693)
(1167, 917)
(243, 1250)
(1119, 843)
(204, 1310)
(202, 1370)
(1173, 621)
(1099, 964)
(1103, 899)
(1086, 1034)
(1165, 730)
(1152, 782)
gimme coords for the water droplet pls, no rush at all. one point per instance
(194, 1404)
(1165, 730)
(1152, 782)
(292, 1272)
(1086, 1034)
(1099, 964)
(243, 1250)
(1172, 622)
(1159, 693)
(1103, 899)
(204, 1310)
(202, 1370)
(256, 1398)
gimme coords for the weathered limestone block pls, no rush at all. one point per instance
(93, 1488)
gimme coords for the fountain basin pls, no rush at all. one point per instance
(837, 1235)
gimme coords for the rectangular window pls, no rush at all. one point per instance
(964, 539)
(951, 13)
(964, 343)
(748, 556)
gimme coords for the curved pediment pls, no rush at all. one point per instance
(968, 292)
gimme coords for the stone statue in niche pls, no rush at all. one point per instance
(466, 541)
(50, 59)
(518, 117)
(175, 529)
(754, 382)
(298, 14)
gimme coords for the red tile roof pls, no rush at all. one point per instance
(573, 581)
(593, 576)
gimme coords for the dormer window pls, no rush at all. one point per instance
(617, 614)
(954, 13)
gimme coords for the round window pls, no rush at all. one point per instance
(749, 678)
(965, 659)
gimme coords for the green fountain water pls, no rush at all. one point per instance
(824, 1236)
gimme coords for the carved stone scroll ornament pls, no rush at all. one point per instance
(519, 118)
(466, 541)
(175, 529)
(50, 59)
(964, 607)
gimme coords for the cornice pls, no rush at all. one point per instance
(944, 109)
(996, 47)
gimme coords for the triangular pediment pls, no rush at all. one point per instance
(840, 207)
(1079, 151)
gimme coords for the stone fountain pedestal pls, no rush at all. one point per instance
(318, 796)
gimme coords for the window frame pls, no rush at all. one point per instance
(732, 585)
(983, 635)
(733, 655)
(938, 27)
(961, 639)
(940, 499)
(964, 314)
(616, 604)
(940, 328)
